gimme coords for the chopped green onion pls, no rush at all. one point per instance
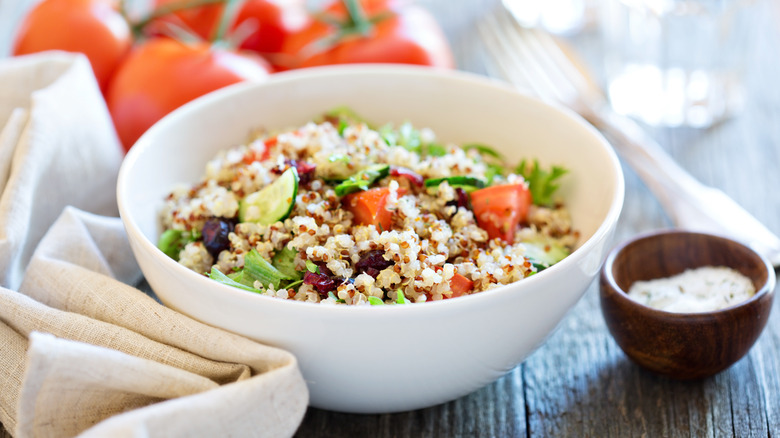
(312, 267)
(401, 298)
(375, 301)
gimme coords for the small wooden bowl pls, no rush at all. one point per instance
(683, 345)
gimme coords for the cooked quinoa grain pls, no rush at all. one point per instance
(349, 214)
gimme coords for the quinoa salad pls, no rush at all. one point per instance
(340, 211)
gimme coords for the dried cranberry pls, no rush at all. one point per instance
(305, 170)
(462, 199)
(321, 282)
(324, 269)
(374, 272)
(413, 177)
(372, 263)
(215, 235)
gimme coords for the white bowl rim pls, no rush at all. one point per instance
(472, 79)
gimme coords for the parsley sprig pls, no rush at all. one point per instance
(542, 183)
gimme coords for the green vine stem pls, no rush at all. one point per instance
(358, 22)
(170, 8)
(228, 15)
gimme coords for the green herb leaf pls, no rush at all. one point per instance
(484, 150)
(389, 135)
(363, 179)
(405, 136)
(259, 268)
(293, 284)
(171, 242)
(345, 115)
(240, 276)
(493, 170)
(374, 301)
(467, 183)
(342, 126)
(542, 183)
(409, 137)
(337, 299)
(312, 267)
(338, 158)
(435, 150)
(401, 298)
(217, 275)
(284, 262)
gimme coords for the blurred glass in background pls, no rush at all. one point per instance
(677, 62)
(563, 17)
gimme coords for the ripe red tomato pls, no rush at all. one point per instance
(275, 22)
(499, 209)
(162, 74)
(92, 27)
(368, 207)
(400, 32)
(268, 22)
(460, 285)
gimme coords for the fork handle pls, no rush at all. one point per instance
(689, 203)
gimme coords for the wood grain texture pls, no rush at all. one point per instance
(579, 383)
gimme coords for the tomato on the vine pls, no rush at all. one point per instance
(162, 74)
(95, 28)
(371, 31)
(260, 25)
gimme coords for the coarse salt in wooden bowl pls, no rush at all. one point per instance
(683, 345)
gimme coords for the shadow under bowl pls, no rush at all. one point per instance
(683, 345)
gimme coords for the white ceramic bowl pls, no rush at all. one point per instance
(389, 358)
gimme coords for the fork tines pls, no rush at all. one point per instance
(531, 59)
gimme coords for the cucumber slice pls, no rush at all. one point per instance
(544, 254)
(467, 183)
(273, 202)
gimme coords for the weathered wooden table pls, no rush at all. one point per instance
(580, 383)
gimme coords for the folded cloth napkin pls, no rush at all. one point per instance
(83, 351)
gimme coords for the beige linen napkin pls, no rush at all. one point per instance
(81, 351)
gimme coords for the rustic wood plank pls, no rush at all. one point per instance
(497, 410)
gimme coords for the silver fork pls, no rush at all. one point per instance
(535, 61)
